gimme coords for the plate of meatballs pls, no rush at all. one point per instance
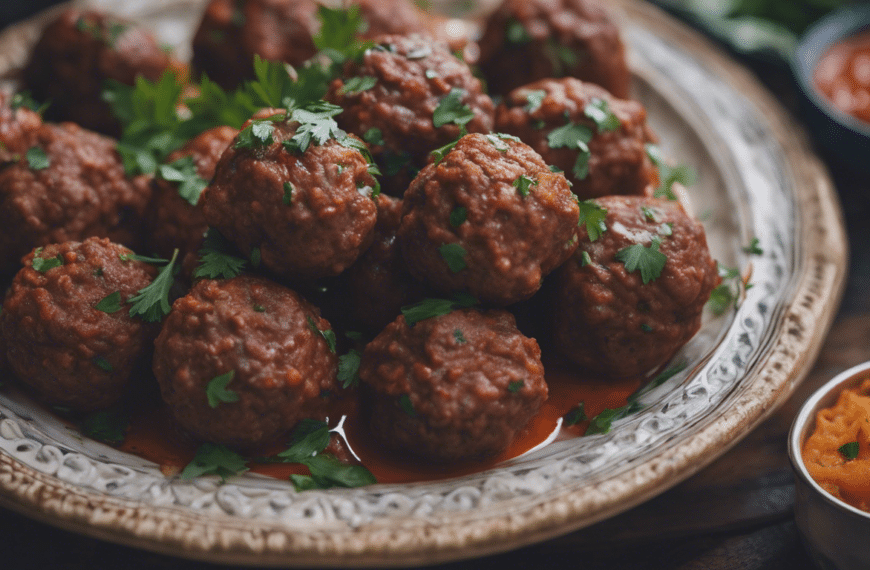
(322, 284)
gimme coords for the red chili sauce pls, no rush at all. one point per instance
(842, 75)
(153, 435)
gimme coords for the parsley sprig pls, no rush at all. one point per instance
(669, 175)
(574, 136)
(429, 308)
(451, 109)
(184, 175)
(152, 301)
(648, 260)
(217, 258)
(593, 217)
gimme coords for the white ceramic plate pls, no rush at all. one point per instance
(757, 179)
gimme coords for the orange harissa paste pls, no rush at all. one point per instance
(837, 454)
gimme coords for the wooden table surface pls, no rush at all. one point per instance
(735, 515)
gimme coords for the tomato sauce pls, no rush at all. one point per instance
(842, 75)
(152, 433)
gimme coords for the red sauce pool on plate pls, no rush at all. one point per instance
(842, 75)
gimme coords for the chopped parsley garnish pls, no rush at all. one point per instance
(43, 264)
(110, 303)
(258, 133)
(523, 184)
(497, 140)
(599, 111)
(603, 421)
(315, 126)
(650, 214)
(648, 260)
(849, 451)
(183, 172)
(407, 406)
(561, 57)
(374, 136)
(668, 175)
(103, 364)
(217, 393)
(348, 369)
(460, 338)
(25, 100)
(534, 99)
(440, 152)
(453, 255)
(216, 258)
(287, 199)
(585, 259)
(429, 308)
(152, 302)
(213, 459)
(431, 74)
(37, 159)
(593, 217)
(259, 308)
(514, 387)
(327, 471)
(328, 334)
(451, 109)
(646, 328)
(575, 415)
(458, 216)
(108, 426)
(753, 248)
(356, 85)
(255, 257)
(726, 293)
(109, 36)
(516, 33)
(338, 31)
(573, 136)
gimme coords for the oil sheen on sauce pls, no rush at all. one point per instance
(842, 75)
(153, 436)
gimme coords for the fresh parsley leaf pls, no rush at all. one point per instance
(575, 415)
(216, 259)
(25, 100)
(497, 140)
(110, 303)
(288, 194)
(534, 99)
(407, 406)
(440, 152)
(451, 109)
(599, 111)
(573, 136)
(109, 426)
(453, 255)
(152, 302)
(42, 264)
(428, 308)
(516, 33)
(37, 159)
(668, 175)
(257, 134)
(648, 260)
(103, 364)
(593, 217)
(726, 293)
(849, 451)
(348, 369)
(327, 471)
(255, 257)
(603, 422)
(514, 387)
(315, 125)
(523, 184)
(338, 28)
(213, 459)
(460, 338)
(217, 393)
(183, 172)
(308, 438)
(753, 248)
(374, 136)
(585, 259)
(458, 216)
(145, 259)
(328, 334)
(358, 84)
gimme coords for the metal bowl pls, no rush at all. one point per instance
(836, 533)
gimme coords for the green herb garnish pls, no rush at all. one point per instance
(523, 184)
(453, 255)
(599, 111)
(217, 393)
(668, 175)
(356, 85)
(451, 109)
(753, 248)
(534, 99)
(42, 264)
(37, 159)
(648, 260)
(216, 258)
(110, 303)
(328, 334)
(152, 302)
(429, 308)
(184, 174)
(849, 451)
(348, 369)
(108, 426)
(593, 217)
(213, 459)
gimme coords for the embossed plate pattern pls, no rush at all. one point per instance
(757, 178)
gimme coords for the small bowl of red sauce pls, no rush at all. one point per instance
(832, 68)
(829, 448)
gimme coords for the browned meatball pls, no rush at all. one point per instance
(527, 40)
(176, 221)
(490, 218)
(77, 53)
(390, 17)
(556, 116)
(420, 94)
(233, 31)
(68, 331)
(457, 386)
(18, 125)
(241, 361)
(379, 284)
(70, 185)
(308, 214)
(607, 318)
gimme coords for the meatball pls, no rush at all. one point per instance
(68, 186)
(490, 218)
(452, 387)
(233, 31)
(69, 335)
(552, 114)
(614, 316)
(527, 40)
(309, 214)
(176, 221)
(77, 53)
(379, 284)
(382, 17)
(421, 98)
(18, 124)
(241, 361)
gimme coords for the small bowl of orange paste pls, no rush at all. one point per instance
(832, 67)
(829, 447)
